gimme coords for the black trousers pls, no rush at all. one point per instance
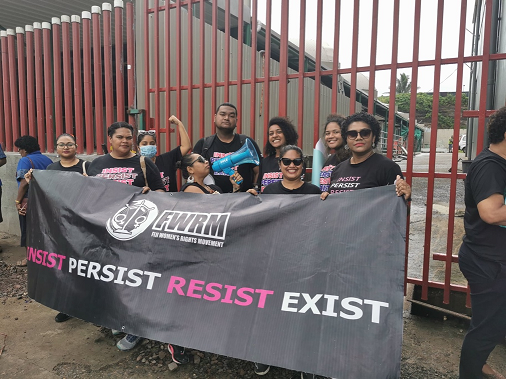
(22, 226)
(487, 281)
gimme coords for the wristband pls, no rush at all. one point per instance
(17, 201)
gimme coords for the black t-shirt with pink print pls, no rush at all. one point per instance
(376, 171)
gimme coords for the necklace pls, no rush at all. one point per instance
(353, 160)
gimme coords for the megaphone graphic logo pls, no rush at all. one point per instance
(246, 154)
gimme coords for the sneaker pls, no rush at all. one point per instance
(261, 369)
(179, 354)
(62, 317)
(128, 342)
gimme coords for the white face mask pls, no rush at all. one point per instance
(148, 151)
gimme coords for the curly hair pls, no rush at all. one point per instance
(497, 126)
(288, 130)
(366, 118)
(27, 143)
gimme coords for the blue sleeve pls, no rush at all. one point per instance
(2, 154)
(23, 167)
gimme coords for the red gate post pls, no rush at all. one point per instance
(189, 67)
(214, 58)
(202, 116)
(354, 58)
(393, 80)
(67, 75)
(88, 87)
(283, 61)
(108, 82)
(58, 98)
(302, 61)
(30, 79)
(130, 26)
(48, 131)
(78, 87)
(253, 78)
(226, 55)
(156, 38)
(119, 61)
(318, 71)
(96, 11)
(264, 111)
(6, 91)
(13, 80)
(23, 108)
(2, 115)
(39, 83)
(167, 57)
(240, 41)
(372, 61)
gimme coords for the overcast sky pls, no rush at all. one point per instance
(450, 44)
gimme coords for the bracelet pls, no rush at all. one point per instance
(17, 201)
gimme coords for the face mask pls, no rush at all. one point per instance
(148, 151)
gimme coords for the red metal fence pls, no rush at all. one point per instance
(183, 76)
(55, 75)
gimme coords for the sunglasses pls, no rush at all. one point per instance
(150, 132)
(63, 145)
(288, 162)
(200, 159)
(364, 133)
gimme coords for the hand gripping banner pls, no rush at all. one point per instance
(285, 280)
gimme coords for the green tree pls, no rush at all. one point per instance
(403, 84)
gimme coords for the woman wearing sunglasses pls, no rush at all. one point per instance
(281, 133)
(333, 141)
(365, 168)
(166, 162)
(291, 164)
(195, 168)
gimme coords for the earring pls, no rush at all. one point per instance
(346, 147)
(190, 179)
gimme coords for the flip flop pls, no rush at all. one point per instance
(22, 263)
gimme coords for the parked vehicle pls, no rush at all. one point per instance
(463, 143)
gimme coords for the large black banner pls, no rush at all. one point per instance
(286, 280)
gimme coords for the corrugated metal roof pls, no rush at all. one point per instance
(18, 13)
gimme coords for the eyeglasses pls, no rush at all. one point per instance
(364, 133)
(68, 144)
(200, 159)
(288, 162)
(150, 132)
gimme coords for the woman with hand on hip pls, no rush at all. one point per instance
(166, 162)
(365, 168)
(333, 141)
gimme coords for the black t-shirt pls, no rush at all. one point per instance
(331, 162)
(269, 172)
(214, 187)
(278, 188)
(486, 177)
(220, 149)
(78, 167)
(166, 163)
(126, 171)
(375, 171)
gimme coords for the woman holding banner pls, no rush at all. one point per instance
(365, 168)
(333, 140)
(124, 166)
(195, 168)
(281, 132)
(291, 164)
(166, 162)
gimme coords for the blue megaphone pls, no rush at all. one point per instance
(246, 154)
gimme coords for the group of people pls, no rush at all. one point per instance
(352, 164)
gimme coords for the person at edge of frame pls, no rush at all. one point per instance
(482, 258)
